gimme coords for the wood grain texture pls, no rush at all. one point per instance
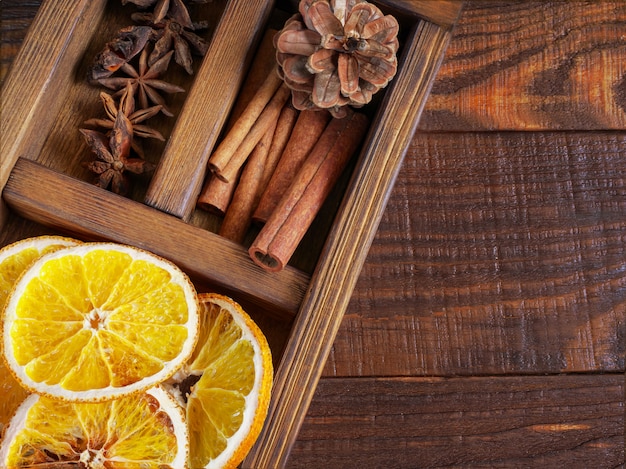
(522, 65)
(504, 422)
(93, 213)
(14, 22)
(178, 179)
(398, 317)
(444, 13)
(497, 253)
(41, 66)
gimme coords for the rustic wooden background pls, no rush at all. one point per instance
(488, 326)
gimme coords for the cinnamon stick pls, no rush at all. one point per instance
(238, 217)
(240, 129)
(216, 194)
(262, 66)
(306, 133)
(284, 128)
(280, 236)
(266, 119)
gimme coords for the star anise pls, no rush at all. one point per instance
(127, 106)
(145, 81)
(173, 29)
(336, 53)
(126, 45)
(175, 9)
(112, 156)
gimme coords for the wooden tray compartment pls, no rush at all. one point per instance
(300, 308)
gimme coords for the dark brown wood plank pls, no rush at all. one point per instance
(521, 65)
(497, 253)
(512, 422)
(14, 22)
(444, 13)
(93, 213)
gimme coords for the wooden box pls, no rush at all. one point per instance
(46, 98)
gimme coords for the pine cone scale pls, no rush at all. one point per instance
(321, 60)
(299, 42)
(348, 71)
(327, 90)
(324, 21)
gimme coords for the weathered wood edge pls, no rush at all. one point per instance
(34, 87)
(54, 199)
(178, 179)
(444, 13)
(346, 248)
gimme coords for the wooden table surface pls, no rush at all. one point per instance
(487, 328)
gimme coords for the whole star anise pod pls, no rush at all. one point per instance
(336, 53)
(136, 118)
(127, 106)
(173, 29)
(145, 81)
(162, 8)
(113, 160)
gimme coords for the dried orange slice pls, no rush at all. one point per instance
(14, 260)
(225, 386)
(142, 430)
(12, 396)
(99, 321)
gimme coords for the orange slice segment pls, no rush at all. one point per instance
(99, 321)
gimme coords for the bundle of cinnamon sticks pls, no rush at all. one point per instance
(275, 166)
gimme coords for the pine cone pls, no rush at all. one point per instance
(335, 53)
